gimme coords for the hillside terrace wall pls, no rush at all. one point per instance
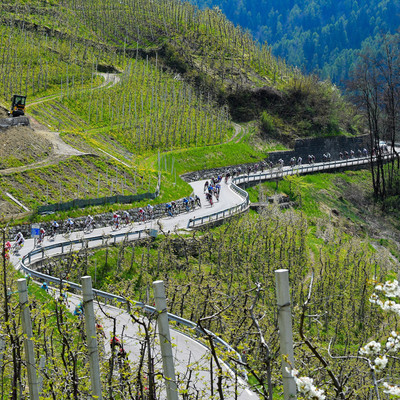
(303, 148)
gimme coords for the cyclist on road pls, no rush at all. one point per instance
(19, 240)
(115, 221)
(54, 227)
(197, 200)
(168, 209)
(126, 218)
(209, 198)
(89, 222)
(186, 204)
(141, 215)
(150, 211)
(69, 224)
(42, 234)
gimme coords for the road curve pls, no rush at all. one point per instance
(188, 351)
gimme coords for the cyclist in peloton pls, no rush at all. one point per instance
(89, 222)
(42, 234)
(126, 217)
(69, 224)
(186, 204)
(115, 221)
(19, 241)
(54, 227)
(150, 210)
(141, 215)
(168, 209)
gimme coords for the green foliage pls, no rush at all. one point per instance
(320, 36)
(267, 124)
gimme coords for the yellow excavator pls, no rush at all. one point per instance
(18, 105)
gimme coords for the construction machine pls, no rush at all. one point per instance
(18, 105)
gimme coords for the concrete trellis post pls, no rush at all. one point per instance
(165, 340)
(28, 343)
(285, 331)
(90, 325)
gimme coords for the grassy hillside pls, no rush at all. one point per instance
(128, 79)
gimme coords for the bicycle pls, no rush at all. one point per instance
(115, 224)
(52, 234)
(88, 228)
(68, 230)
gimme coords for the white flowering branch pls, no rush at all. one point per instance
(305, 385)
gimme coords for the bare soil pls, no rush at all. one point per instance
(3, 112)
(20, 145)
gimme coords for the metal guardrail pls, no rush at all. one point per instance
(193, 222)
(29, 259)
(277, 173)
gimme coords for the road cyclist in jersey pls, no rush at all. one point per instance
(126, 218)
(186, 204)
(115, 223)
(141, 217)
(192, 203)
(197, 201)
(89, 224)
(209, 198)
(40, 239)
(19, 241)
(169, 210)
(150, 211)
(69, 225)
(53, 229)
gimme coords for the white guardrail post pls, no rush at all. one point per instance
(285, 332)
(165, 340)
(28, 343)
(91, 337)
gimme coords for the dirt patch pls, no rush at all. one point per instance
(3, 112)
(8, 208)
(21, 145)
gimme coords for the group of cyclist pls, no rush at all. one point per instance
(188, 204)
(213, 188)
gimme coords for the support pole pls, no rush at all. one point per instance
(165, 340)
(28, 343)
(90, 324)
(285, 332)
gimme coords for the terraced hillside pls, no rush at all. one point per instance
(125, 80)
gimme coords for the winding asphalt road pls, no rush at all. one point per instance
(189, 353)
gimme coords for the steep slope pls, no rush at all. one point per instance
(322, 36)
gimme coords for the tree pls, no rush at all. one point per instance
(375, 88)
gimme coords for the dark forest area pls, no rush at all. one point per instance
(317, 36)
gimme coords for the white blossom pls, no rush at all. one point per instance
(393, 342)
(305, 385)
(391, 389)
(390, 288)
(380, 363)
(371, 348)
